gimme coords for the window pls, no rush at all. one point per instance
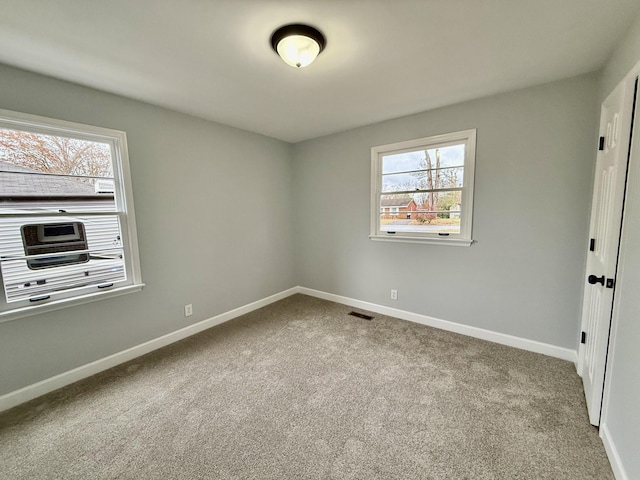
(422, 190)
(67, 225)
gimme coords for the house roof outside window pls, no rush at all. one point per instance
(22, 183)
(395, 202)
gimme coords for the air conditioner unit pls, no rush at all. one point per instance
(104, 186)
(55, 239)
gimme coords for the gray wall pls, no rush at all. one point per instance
(213, 207)
(534, 168)
(622, 59)
(622, 404)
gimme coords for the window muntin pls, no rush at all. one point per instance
(420, 179)
(422, 190)
(67, 225)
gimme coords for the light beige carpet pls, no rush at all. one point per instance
(301, 390)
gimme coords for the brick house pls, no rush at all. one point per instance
(397, 207)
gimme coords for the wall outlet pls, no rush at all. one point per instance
(394, 294)
(188, 310)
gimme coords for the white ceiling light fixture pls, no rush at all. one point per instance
(298, 45)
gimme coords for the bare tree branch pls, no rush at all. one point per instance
(57, 155)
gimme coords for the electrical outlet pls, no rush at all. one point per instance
(394, 294)
(188, 310)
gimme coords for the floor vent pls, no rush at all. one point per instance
(361, 315)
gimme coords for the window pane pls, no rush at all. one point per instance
(435, 212)
(61, 262)
(403, 181)
(424, 180)
(449, 156)
(46, 172)
(49, 193)
(51, 154)
(403, 162)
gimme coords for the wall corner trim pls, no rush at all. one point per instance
(22, 395)
(489, 335)
(612, 452)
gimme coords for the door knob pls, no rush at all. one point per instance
(593, 280)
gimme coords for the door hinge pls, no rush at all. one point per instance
(610, 282)
(583, 337)
(601, 144)
(592, 245)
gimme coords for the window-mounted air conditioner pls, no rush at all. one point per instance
(54, 239)
(104, 186)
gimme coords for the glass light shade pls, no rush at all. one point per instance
(298, 50)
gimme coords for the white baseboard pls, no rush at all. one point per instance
(35, 390)
(612, 452)
(509, 340)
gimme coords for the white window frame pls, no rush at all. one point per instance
(123, 196)
(464, 238)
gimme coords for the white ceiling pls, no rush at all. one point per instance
(384, 58)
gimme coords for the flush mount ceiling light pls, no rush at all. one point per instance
(298, 45)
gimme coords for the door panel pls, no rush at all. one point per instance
(606, 217)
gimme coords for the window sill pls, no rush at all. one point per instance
(452, 242)
(20, 312)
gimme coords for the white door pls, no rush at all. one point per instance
(606, 217)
